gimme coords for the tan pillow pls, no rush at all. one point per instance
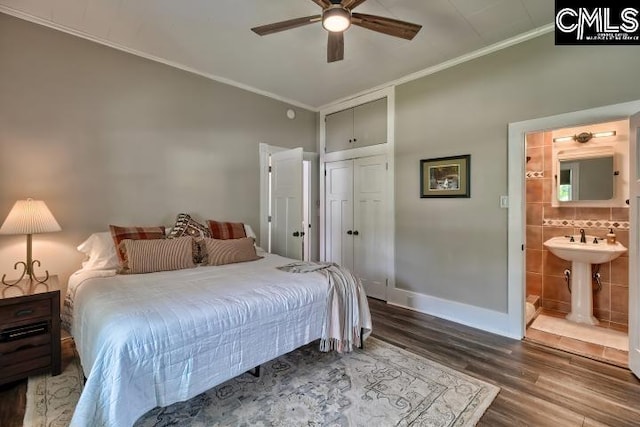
(229, 251)
(134, 233)
(148, 256)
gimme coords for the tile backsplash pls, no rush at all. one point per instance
(545, 271)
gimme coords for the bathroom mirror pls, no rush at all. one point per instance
(586, 179)
(588, 176)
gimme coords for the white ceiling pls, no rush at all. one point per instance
(213, 38)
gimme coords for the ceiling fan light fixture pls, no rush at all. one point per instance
(336, 18)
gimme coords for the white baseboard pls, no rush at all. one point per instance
(469, 315)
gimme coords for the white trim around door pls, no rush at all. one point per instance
(517, 209)
(388, 149)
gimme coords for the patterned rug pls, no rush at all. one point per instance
(381, 385)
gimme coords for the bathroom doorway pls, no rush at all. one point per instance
(576, 183)
(517, 212)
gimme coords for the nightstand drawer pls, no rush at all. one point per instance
(23, 356)
(24, 367)
(25, 311)
(35, 341)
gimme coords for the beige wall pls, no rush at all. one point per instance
(106, 137)
(456, 249)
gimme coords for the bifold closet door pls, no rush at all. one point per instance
(369, 214)
(339, 213)
(355, 219)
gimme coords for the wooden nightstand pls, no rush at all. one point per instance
(29, 329)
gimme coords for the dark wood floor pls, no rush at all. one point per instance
(540, 386)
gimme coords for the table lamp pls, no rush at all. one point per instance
(29, 217)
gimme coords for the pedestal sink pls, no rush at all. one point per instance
(582, 255)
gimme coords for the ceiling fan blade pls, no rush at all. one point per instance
(286, 25)
(352, 4)
(392, 27)
(322, 3)
(335, 47)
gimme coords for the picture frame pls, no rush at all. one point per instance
(445, 177)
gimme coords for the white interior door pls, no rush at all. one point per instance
(369, 229)
(634, 245)
(339, 213)
(286, 203)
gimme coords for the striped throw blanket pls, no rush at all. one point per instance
(347, 320)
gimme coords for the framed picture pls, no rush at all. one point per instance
(445, 177)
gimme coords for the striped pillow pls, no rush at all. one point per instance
(229, 251)
(226, 230)
(134, 233)
(148, 256)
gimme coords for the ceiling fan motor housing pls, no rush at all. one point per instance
(336, 18)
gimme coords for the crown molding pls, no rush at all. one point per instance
(537, 32)
(47, 23)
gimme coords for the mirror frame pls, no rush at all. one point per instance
(620, 185)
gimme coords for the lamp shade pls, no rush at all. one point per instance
(29, 217)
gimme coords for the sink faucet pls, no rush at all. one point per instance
(583, 238)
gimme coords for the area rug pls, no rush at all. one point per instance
(51, 400)
(381, 385)
(592, 334)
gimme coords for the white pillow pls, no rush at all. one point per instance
(249, 232)
(101, 252)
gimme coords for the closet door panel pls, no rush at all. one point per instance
(339, 213)
(369, 224)
(339, 131)
(370, 123)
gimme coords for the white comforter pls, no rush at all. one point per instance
(154, 339)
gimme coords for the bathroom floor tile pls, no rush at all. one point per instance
(622, 327)
(556, 338)
(585, 333)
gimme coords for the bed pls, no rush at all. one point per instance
(148, 340)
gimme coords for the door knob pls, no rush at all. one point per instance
(302, 233)
(296, 234)
(355, 233)
(349, 232)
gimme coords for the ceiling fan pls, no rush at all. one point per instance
(336, 18)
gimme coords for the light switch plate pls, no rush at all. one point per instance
(504, 202)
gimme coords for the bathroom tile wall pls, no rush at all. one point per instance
(545, 271)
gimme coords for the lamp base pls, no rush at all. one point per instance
(27, 271)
